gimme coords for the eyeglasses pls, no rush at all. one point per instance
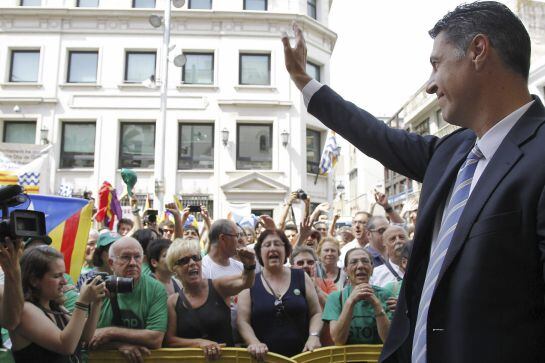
(301, 263)
(355, 261)
(379, 231)
(278, 308)
(360, 222)
(128, 258)
(185, 260)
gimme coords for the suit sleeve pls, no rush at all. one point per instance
(541, 229)
(405, 153)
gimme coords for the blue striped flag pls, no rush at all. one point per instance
(330, 154)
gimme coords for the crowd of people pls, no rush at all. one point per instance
(270, 286)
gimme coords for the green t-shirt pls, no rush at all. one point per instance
(392, 288)
(144, 308)
(71, 294)
(363, 327)
(146, 270)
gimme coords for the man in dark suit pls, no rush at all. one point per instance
(474, 288)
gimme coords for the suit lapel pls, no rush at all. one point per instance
(507, 155)
(424, 229)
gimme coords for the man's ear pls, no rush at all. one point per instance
(479, 50)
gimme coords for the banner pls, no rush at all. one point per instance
(67, 221)
(26, 165)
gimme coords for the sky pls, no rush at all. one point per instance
(381, 57)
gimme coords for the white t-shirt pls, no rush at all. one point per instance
(347, 247)
(211, 270)
(382, 275)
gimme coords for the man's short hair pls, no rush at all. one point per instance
(218, 227)
(368, 215)
(166, 223)
(126, 221)
(155, 249)
(372, 222)
(291, 227)
(506, 33)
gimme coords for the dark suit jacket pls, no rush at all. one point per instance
(489, 300)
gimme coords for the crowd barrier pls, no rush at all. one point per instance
(344, 353)
(231, 355)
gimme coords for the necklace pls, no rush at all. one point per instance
(278, 297)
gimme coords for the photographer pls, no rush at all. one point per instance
(46, 329)
(135, 321)
(11, 292)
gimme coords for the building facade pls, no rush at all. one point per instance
(85, 76)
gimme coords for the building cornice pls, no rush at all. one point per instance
(183, 23)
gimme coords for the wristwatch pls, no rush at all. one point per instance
(314, 334)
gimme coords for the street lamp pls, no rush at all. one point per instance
(285, 136)
(159, 169)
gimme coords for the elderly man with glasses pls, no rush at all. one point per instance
(136, 321)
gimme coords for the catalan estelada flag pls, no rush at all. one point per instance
(67, 222)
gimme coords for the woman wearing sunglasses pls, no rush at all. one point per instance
(198, 315)
(281, 312)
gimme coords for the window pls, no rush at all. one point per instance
(82, 67)
(255, 69)
(198, 68)
(200, 4)
(440, 120)
(139, 66)
(314, 143)
(423, 128)
(31, 2)
(87, 3)
(137, 145)
(196, 146)
(19, 132)
(255, 4)
(313, 70)
(311, 8)
(143, 3)
(261, 212)
(353, 184)
(254, 149)
(78, 145)
(24, 66)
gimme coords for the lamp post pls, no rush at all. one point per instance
(160, 134)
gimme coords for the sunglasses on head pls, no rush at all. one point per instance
(185, 260)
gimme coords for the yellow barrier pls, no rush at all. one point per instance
(343, 353)
(230, 355)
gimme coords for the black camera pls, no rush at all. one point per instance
(116, 284)
(19, 223)
(301, 194)
(150, 216)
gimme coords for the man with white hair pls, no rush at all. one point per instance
(136, 321)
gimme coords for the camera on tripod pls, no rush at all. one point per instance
(19, 223)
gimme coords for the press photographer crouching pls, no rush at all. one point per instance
(46, 329)
(131, 322)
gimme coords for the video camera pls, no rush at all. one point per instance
(116, 284)
(19, 223)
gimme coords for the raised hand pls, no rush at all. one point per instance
(296, 58)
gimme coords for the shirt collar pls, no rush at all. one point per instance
(491, 140)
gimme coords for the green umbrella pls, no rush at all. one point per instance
(130, 178)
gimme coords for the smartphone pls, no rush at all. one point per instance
(194, 208)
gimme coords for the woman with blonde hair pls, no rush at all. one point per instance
(198, 315)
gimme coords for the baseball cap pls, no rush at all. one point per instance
(107, 238)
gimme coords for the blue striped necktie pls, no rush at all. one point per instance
(457, 202)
